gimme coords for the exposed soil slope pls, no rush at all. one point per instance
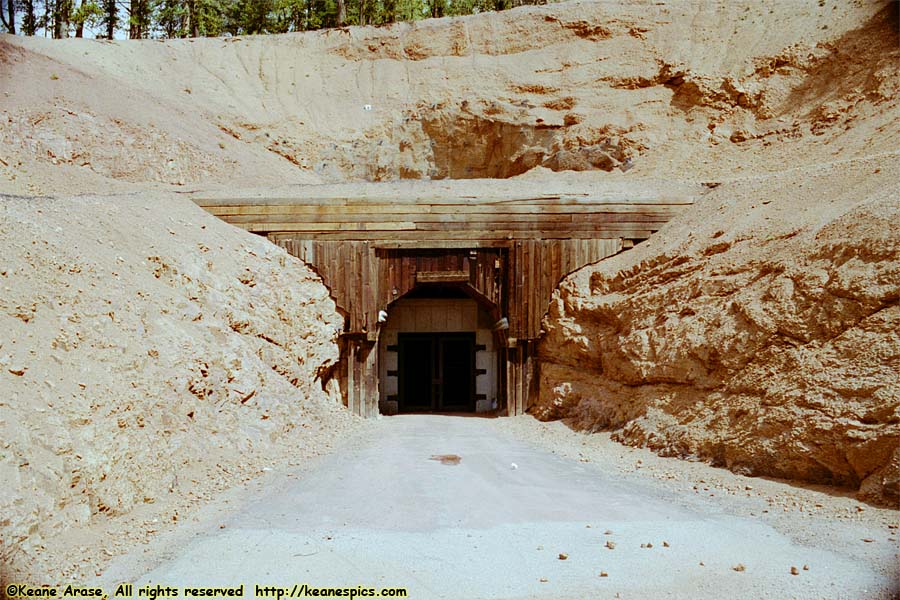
(760, 332)
(148, 351)
(688, 90)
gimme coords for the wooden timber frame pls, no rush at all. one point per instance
(509, 254)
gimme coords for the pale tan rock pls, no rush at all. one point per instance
(764, 340)
(155, 400)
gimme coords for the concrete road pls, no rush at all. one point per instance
(385, 515)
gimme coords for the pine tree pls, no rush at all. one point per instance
(29, 18)
(61, 17)
(139, 14)
(9, 21)
(110, 18)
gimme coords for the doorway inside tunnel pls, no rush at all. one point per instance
(436, 372)
(438, 353)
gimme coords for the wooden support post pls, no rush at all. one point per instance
(529, 378)
(510, 383)
(514, 381)
(361, 380)
(371, 399)
(363, 384)
(362, 377)
(521, 377)
(352, 392)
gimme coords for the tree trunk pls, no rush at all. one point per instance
(11, 26)
(79, 24)
(362, 13)
(135, 29)
(62, 16)
(29, 19)
(342, 13)
(193, 25)
(58, 8)
(57, 19)
(112, 16)
(66, 16)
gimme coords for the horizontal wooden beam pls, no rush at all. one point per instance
(442, 276)
(325, 227)
(427, 209)
(391, 220)
(466, 244)
(484, 230)
(617, 198)
(375, 218)
(464, 238)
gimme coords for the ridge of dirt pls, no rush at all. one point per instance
(149, 364)
(706, 88)
(759, 333)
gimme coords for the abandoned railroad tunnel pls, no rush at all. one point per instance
(443, 296)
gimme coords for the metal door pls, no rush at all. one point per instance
(436, 372)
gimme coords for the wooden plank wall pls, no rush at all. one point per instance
(363, 278)
(521, 376)
(401, 269)
(350, 271)
(517, 281)
(454, 218)
(358, 375)
(535, 270)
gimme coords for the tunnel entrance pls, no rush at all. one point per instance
(436, 372)
(437, 353)
(406, 262)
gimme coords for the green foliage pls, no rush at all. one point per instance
(251, 16)
(170, 18)
(211, 18)
(110, 18)
(29, 18)
(140, 18)
(89, 15)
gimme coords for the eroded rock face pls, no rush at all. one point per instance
(595, 87)
(148, 350)
(766, 341)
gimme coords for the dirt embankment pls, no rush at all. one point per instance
(681, 90)
(762, 333)
(148, 351)
(759, 331)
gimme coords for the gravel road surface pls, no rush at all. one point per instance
(508, 520)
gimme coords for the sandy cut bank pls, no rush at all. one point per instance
(759, 331)
(148, 350)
